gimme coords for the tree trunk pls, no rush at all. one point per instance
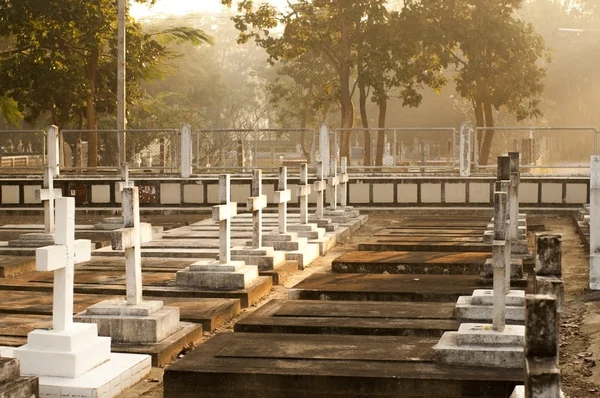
(92, 124)
(381, 133)
(488, 137)
(345, 99)
(365, 123)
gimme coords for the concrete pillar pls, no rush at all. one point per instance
(324, 148)
(499, 260)
(465, 150)
(548, 267)
(595, 223)
(186, 151)
(514, 194)
(53, 150)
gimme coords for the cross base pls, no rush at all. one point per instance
(480, 345)
(210, 274)
(466, 310)
(67, 353)
(147, 322)
(36, 239)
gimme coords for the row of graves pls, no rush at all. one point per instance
(118, 310)
(427, 307)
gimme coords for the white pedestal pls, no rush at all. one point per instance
(210, 274)
(480, 306)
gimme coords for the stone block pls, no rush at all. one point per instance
(455, 192)
(193, 193)
(431, 193)
(359, 193)
(10, 195)
(448, 351)
(551, 193)
(407, 193)
(170, 194)
(576, 193)
(309, 253)
(484, 334)
(211, 276)
(479, 192)
(543, 323)
(515, 298)
(101, 193)
(516, 268)
(466, 311)
(29, 194)
(383, 193)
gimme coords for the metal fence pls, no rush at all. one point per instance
(148, 149)
(544, 150)
(402, 149)
(22, 151)
(242, 149)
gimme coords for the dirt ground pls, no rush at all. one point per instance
(580, 320)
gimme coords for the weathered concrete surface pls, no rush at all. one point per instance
(423, 244)
(12, 385)
(280, 365)
(14, 266)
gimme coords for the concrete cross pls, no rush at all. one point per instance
(513, 195)
(333, 182)
(61, 258)
(504, 231)
(255, 204)
(319, 186)
(282, 197)
(129, 240)
(47, 195)
(344, 182)
(223, 213)
(303, 189)
(499, 259)
(127, 183)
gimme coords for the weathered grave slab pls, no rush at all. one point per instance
(378, 287)
(15, 266)
(12, 384)
(277, 365)
(424, 244)
(350, 317)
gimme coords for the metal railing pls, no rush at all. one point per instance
(544, 150)
(22, 151)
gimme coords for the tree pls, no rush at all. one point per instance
(499, 58)
(63, 59)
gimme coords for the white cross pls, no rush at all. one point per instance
(255, 204)
(303, 189)
(125, 184)
(47, 195)
(344, 182)
(282, 197)
(333, 182)
(129, 239)
(319, 186)
(499, 258)
(223, 213)
(61, 258)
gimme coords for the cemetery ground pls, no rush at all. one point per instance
(580, 320)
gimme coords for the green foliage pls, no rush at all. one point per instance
(10, 111)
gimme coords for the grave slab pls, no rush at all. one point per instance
(12, 384)
(291, 365)
(423, 245)
(14, 266)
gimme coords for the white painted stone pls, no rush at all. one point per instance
(551, 193)
(455, 192)
(101, 193)
(10, 195)
(170, 194)
(193, 193)
(577, 193)
(479, 192)
(528, 192)
(407, 193)
(359, 193)
(431, 193)
(383, 193)
(29, 196)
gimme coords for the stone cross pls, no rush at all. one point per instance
(47, 195)
(333, 182)
(127, 183)
(303, 189)
(542, 374)
(61, 258)
(324, 148)
(595, 223)
(282, 197)
(499, 259)
(513, 195)
(504, 186)
(223, 213)
(130, 239)
(319, 187)
(255, 204)
(464, 165)
(344, 182)
(548, 267)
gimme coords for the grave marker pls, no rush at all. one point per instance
(223, 213)
(282, 197)
(319, 187)
(333, 182)
(499, 260)
(255, 204)
(304, 189)
(344, 182)
(48, 195)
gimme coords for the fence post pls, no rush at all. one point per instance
(465, 150)
(324, 148)
(186, 151)
(53, 150)
(595, 223)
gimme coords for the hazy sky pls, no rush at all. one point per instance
(179, 7)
